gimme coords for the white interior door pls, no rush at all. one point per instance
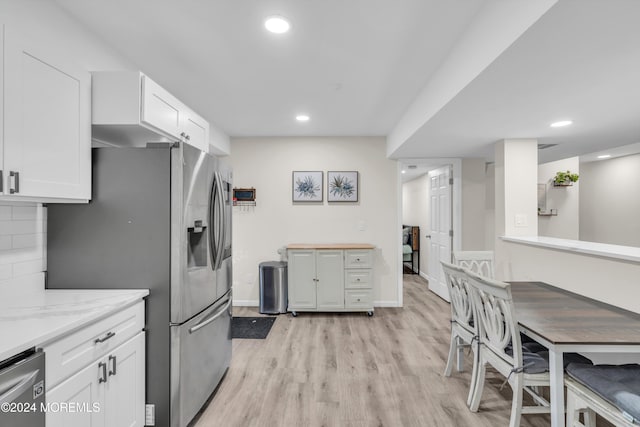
(440, 228)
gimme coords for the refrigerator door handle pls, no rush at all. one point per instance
(222, 221)
(210, 319)
(213, 213)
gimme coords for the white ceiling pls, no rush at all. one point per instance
(580, 61)
(356, 66)
(353, 65)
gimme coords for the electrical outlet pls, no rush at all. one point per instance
(150, 415)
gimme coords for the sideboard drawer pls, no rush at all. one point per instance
(74, 351)
(358, 258)
(358, 298)
(357, 279)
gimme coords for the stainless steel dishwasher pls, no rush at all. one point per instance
(22, 390)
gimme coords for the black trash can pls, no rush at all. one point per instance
(273, 287)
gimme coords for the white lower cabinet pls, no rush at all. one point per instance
(96, 376)
(330, 280)
(109, 392)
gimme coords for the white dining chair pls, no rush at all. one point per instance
(501, 347)
(463, 327)
(479, 262)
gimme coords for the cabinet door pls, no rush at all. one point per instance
(302, 284)
(125, 394)
(47, 122)
(196, 131)
(330, 275)
(84, 393)
(160, 109)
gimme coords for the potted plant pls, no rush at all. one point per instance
(565, 178)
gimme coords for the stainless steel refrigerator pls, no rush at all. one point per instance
(159, 218)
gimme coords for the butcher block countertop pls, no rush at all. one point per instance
(330, 246)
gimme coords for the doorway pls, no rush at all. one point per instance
(431, 199)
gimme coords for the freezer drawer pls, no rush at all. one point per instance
(200, 355)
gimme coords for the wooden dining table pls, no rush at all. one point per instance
(566, 322)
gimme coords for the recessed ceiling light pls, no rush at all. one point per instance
(561, 123)
(403, 171)
(302, 118)
(604, 156)
(277, 24)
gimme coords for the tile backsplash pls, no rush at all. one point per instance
(22, 245)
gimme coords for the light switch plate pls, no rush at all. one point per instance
(521, 220)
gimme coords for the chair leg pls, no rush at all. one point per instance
(479, 386)
(460, 355)
(571, 410)
(452, 354)
(474, 374)
(516, 402)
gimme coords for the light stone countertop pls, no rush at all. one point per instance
(627, 253)
(31, 319)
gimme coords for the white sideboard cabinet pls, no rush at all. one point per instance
(45, 123)
(330, 277)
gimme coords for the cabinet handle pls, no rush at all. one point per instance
(103, 367)
(188, 137)
(106, 337)
(358, 279)
(113, 361)
(183, 134)
(358, 259)
(1, 181)
(16, 182)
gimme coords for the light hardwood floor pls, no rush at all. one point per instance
(323, 369)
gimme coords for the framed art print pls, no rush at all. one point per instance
(342, 186)
(307, 186)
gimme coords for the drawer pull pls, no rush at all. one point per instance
(358, 299)
(358, 259)
(358, 279)
(112, 371)
(102, 366)
(106, 337)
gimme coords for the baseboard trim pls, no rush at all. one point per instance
(383, 304)
(246, 303)
(255, 303)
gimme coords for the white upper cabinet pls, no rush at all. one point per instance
(45, 143)
(131, 109)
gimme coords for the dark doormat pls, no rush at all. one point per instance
(251, 327)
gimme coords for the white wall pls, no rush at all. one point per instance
(490, 208)
(604, 279)
(610, 201)
(415, 212)
(473, 205)
(267, 165)
(565, 199)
